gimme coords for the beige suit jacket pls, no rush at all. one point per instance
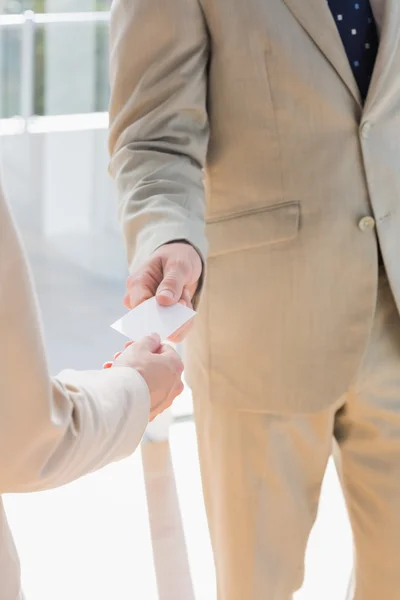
(51, 430)
(261, 95)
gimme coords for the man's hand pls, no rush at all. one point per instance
(171, 274)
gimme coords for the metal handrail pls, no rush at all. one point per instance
(43, 18)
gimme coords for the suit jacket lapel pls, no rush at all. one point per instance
(316, 18)
(386, 76)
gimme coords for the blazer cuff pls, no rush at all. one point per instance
(139, 415)
(122, 398)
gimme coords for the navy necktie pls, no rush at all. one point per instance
(356, 24)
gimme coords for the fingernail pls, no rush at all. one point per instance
(166, 294)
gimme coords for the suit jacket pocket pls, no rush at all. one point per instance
(251, 229)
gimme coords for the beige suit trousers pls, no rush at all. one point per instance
(262, 475)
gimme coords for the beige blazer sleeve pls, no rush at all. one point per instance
(158, 122)
(54, 430)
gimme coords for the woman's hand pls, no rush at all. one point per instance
(159, 365)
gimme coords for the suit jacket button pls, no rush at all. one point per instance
(367, 224)
(365, 129)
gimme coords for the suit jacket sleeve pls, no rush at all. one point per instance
(158, 122)
(54, 430)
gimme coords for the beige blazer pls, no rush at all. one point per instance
(51, 430)
(261, 94)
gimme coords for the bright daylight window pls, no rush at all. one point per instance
(82, 72)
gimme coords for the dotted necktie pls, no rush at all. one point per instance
(357, 28)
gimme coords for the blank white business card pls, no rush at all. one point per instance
(149, 317)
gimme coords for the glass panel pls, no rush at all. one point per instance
(15, 7)
(10, 69)
(102, 79)
(71, 68)
(70, 62)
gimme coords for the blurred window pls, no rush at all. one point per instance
(68, 58)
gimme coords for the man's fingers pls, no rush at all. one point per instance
(180, 334)
(186, 299)
(138, 294)
(127, 301)
(140, 287)
(167, 275)
(170, 289)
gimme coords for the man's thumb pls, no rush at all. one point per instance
(171, 288)
(151, 343)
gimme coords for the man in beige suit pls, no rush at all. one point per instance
(53, 431)
(291, 109)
